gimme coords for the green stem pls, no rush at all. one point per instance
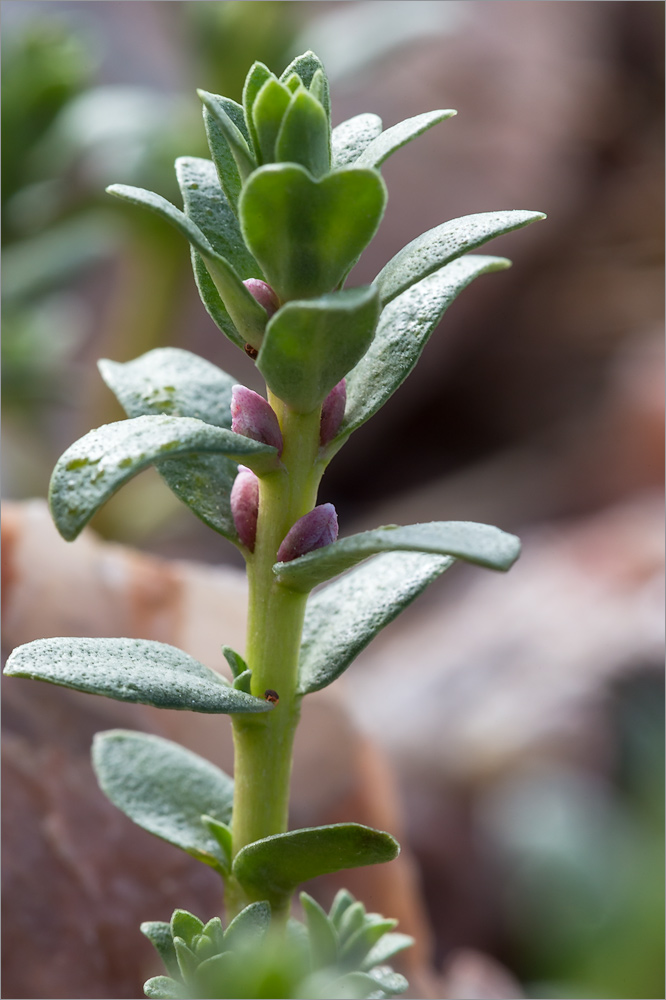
(264, 742)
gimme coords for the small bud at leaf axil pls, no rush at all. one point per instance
(252, 416)
(332, 412)
(264, 294)
(312, 531)
(244, 500)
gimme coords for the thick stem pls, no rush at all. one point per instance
(264, 742)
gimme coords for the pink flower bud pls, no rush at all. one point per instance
(312, 531)
(332, 412)
(264, 295)
(253, 417)
(245, 505)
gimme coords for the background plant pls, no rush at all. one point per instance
(275, 221)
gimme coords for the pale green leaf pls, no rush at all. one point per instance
(248, 926)
(441, 245)
(134, 670)
(352, 137)
(164, 789)
(310, 345)
(304, 136)
(254, 81)
(226, 114)
(342, 618)
(481, 544)
(94, 467)
(398, 135)
(308, 66)
(404, 329)
(268, 110)
(387, 946)
(322, 936)
(220, 150)
(159, 934)
(175, 382)
(164, 988)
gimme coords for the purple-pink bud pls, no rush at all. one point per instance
(245, 505)
(264, 295)
(332, 412)
(312, 531)
(252, 416)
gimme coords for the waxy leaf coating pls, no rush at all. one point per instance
(220, 150)
(273, 867)
(398, 135)
(476, 543)
(135, 670)
(306, 233)
(342, 618)
(350, 138)
(164, 789)
(93, 468)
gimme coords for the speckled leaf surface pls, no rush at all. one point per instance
(345, 616)
(273, 867)
(158, 933)
(387, 946)
(404, 328)
(249, 318)
(229, 119)
(254, 81)
(309, 346)
(399, 135)
(164, 788)
(481, 544)
(220, 151)
(306, 233)
(171, 381)
(352, 137)
(304, 135)
(308, 66)
(439, 246)
(252, 922)
(94, 467)
(133, 670)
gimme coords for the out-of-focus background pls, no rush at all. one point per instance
(523, 715)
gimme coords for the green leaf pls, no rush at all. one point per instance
(164, 988)
(213, 930)
(94, 467)
(310, 345)
(399, 135)
(273, 867)
(249, 926)
(236, 662)
(387, 946)
(134, 670)
(172, 381)
(311, 70)
(159, 934)
(306, 233)
(222, 834)
(481, 544)
(343, 900)
(322, 936)
(212, 302)
(404, 329)
(358, 944)
(390, 982)
(247, 315)
(220, 150)
(185, 925)
(222, 111)
(164, 789)
(244, 681)
(351, 921)
(187, 960)
(352, 137)
(439, 246)
(254, 81)
(268, 111)
(304, 135)
(341, 619)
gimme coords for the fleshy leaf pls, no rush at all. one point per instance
(212, 302)
(220, 150)
(481, 544)
(341, 619)
(351, 920)
(222, 111)
(254, 81)
(304, 137)
(322, 936)
(389, 981)
(134, 670)
(310, 345)
(308, 66)
(387, 946)
(222, 834)
(273, 867)
(94, 467)
(404, 329)
(358, 944)
(306, 233)
(352, 137)
(343, 900)
(159, 934)
(175, 382)
(247, 315)
(236, 662)
(268, 110)
(164, 789)
(187, 960)
(441, 245)
(164, 988)
(399, 135)
(185, 925)
(251, 923)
